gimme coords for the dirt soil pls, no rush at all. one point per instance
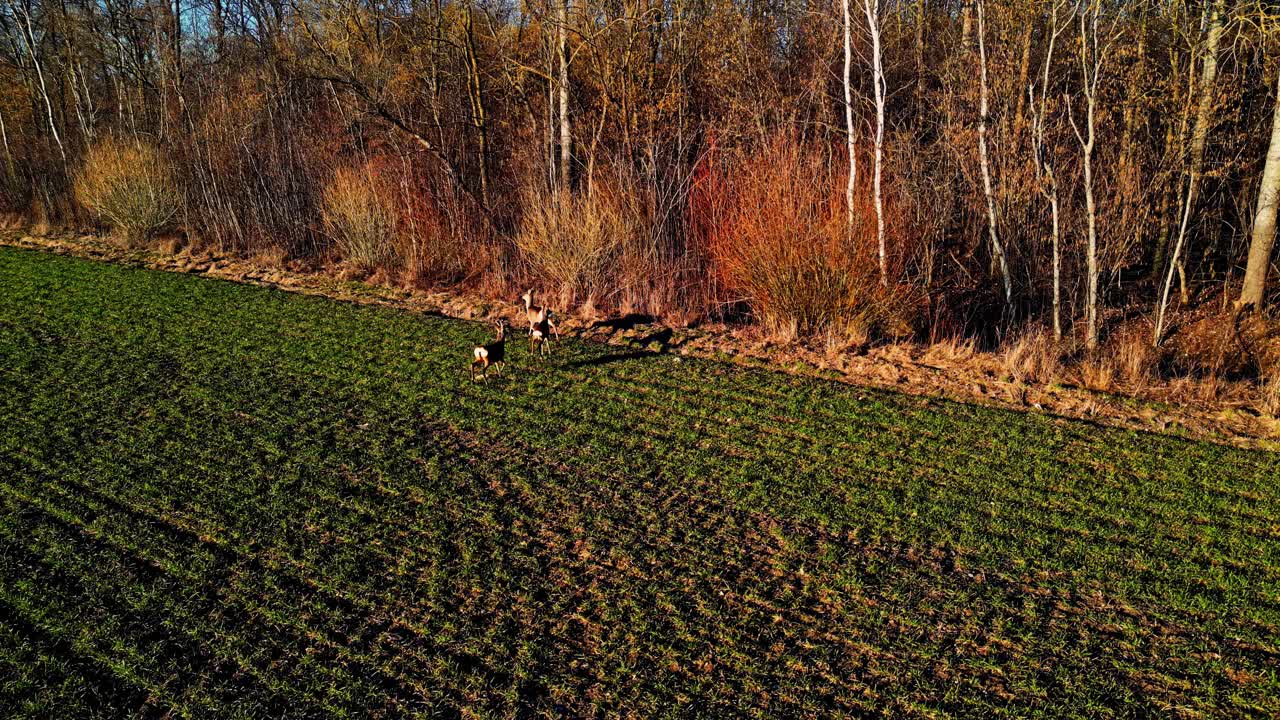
(1226, 413)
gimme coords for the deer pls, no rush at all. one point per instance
(491, 354)
(536, 314)
(540, 336)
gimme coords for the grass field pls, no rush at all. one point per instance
(224, 500)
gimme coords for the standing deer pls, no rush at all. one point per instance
(536, 314)
(540, 335)
(494, 353)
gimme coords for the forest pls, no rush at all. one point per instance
(1095, 174)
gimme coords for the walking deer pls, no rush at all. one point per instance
(536, 315)
(491, 354)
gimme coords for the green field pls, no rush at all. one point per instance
(219, 500)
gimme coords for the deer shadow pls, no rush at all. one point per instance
(626, 322)
(608, 359)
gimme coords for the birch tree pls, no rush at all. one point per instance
(1264, 221)
(562, 81)
(984, 157)
(8, 153)
(27, 32)
(1199, 137)
(871, 9)
(848, 118)
(1045, 174)
(1092, 56)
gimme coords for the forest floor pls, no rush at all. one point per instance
(220, 499)
(1233, 412)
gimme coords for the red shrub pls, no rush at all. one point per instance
(775, 226)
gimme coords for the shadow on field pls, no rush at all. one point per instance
(607, 359)
(626, 322)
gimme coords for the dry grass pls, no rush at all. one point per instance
(360, 215)
(1137, 363)
(443, 240)
(1097, 372)
(1269, 392)
(573, 241)
(952, 350)
(650, 261)
(128, 185)
(1034, 357)
(1125, 362)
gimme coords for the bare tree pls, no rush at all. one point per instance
(1199, 136)
(871, 9)
(1048, 179)
(1264, 222)
(566, 128)
(336, 65)
(1092, 56)
(27, 31)
(848, 117)
(460, 104)
(475, 94)
(984, 157)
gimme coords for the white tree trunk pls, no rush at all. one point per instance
(1264, 222)
(8, 154)
(1199, 137)
(1048, 181)
(1091, 58)
(566, 129)
(983, 110)
(551, 116)
(29, 39)
(872, 11)
(848, 120)
(1057, 265)
(1091, 311)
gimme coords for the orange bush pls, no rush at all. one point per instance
(129, 185)
(774, 224)
(441, 234)
(383, 214)
(361, 217)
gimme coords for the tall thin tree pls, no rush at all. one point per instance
(871, 8)
(1264, 221)
(1045, 173)
(1093, 52)
(1199, 138)
(562, 81)
(848, 119)
(984, 156)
